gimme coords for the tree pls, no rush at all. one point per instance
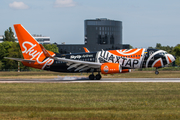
(4, 49)
(176, 50)
(165, 48)
(13, 52)
(177, 61)
(1, 65)
(130, 47)
(158, 46)
(9, 35)
(51, 47)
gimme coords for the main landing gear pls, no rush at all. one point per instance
(156, 72)
(92, 77)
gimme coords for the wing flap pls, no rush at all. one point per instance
(79, 65)
(70, 61)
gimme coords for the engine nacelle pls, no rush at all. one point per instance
(110, 68)
(126, 70)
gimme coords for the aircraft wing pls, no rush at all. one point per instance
(19, 59)
(79, 65)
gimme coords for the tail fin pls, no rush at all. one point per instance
(86, 50)
(29, 46)
(31, 49)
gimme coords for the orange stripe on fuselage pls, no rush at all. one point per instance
(129, 51)
(136, 55)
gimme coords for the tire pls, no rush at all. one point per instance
(98, 77)
(91, 77)
(156, 72)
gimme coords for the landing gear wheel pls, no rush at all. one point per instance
(91, 77)
(156, 72)
(98, 76)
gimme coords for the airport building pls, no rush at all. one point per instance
(41, 39)
(99, 34)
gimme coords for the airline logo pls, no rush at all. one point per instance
(81, 56)
(30, 49)
(106, 69)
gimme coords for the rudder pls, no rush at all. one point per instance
(29, 46)
(31, 49)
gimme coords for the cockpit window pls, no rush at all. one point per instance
(161, 53)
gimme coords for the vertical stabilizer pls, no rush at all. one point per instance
(31, 49)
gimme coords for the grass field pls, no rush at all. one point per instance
(89, 101)
(86, 101)
(48, 74)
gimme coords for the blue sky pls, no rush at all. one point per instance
(145, 22)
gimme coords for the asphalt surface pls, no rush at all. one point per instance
(83, 79)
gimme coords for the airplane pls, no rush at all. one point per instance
(86, 50)
(103, 62)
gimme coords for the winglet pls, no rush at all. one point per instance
(86, 50)
(46, 53)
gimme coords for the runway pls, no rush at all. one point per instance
(83, 80)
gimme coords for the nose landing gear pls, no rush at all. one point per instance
(156, 72)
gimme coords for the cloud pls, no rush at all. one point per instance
(64, 3)
(18, 5)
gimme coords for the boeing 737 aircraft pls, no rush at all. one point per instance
(104, 62)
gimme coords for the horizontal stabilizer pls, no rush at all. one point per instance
(46, 53)
(19, 59)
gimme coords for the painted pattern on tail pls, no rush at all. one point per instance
(31, 49)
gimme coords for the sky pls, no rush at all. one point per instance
(145, 22)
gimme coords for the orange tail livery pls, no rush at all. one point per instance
(31, 49)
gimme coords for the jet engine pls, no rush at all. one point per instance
(110, 68)
(126, 70)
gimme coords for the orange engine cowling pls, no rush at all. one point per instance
(126, 70)
(110, 68)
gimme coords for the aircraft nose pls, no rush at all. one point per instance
(174, 57)
(171, 58)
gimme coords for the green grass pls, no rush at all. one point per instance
(86, 101)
